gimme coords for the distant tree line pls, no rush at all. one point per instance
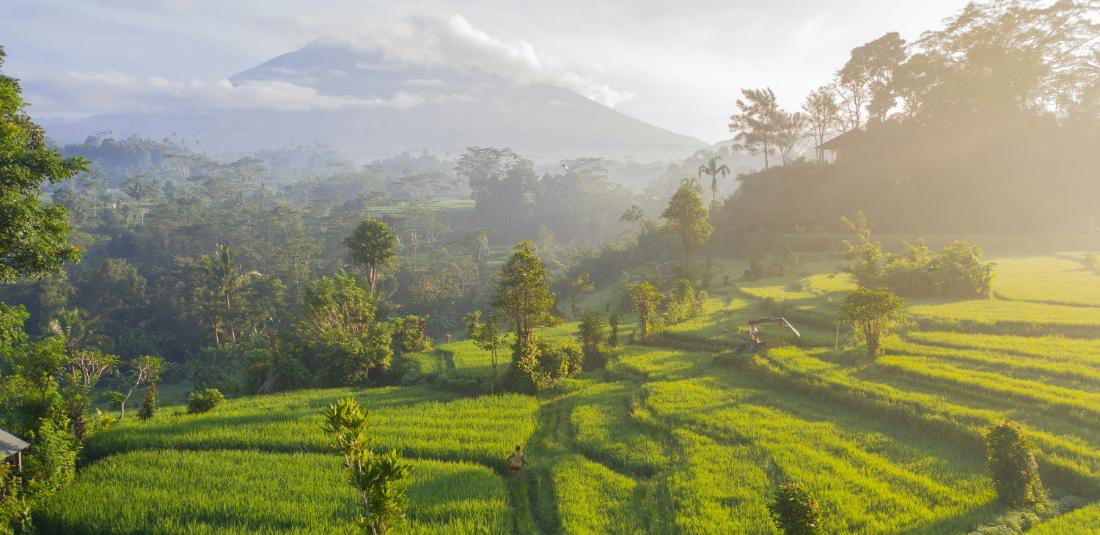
(988, 124)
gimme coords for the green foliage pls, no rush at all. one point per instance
(795, 510)
(683, 303)
(149, 403)
(955, 272)
(591, 334)
(13, 508)
(523, 295)
(341, 335)
(52, 464)
(143, 370)
(645, 298)
(206, 400)
(771, 265)
(375, 476)
(872, 313)
(35, 237)
(1010, 454)
(543, 365)
(865, 257)
(488, 337)
(686, 217)
(373, 245)
(614, 321)
(409, 334)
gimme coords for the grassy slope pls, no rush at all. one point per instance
(664, 440)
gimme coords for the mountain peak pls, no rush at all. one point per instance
(376, 105)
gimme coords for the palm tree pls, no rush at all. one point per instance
(224, 278)
(715, 172)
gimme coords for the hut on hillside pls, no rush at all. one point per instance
(837, 148)
(12, 446)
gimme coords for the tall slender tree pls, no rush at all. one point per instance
(820, 109)
(714, 171)
(523, 296)
(755, 122)
(790, 130)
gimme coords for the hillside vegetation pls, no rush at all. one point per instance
(680, 435)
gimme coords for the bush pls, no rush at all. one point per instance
(956, 271)
(794, 510)
(409, 334)
(201, 401)
(1012, 465)
(684, 303)
(592, 332)
(771, 265)
(544, 365)
(1092, 262)
(148, 403)
(871, 313)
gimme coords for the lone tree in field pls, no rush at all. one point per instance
(523, 297)
(1010, 454)
(872, 312)
(687, 218)
(374, 475)
(645, 299)
(488, 337)
(144, 370)
(373, 245)
(795, 511)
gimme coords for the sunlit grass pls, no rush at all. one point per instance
(164, 491)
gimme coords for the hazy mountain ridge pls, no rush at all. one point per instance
(381, 107)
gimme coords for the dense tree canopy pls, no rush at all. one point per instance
(36, 237)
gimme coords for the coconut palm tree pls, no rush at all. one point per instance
(714, 171)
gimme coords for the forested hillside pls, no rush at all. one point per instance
(892, 327)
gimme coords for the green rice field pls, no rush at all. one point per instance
(679, 435)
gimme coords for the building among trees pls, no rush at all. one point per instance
(13, 446)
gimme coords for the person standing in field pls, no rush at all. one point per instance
(516, 461)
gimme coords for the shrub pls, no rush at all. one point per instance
(614, 321)
(871, 313)
(957, 271)
(543, 365)
(148, 403)
(683, 304)
(409, 334)
(591, 334)
(794, 510)
(205, 400)
(771, 265)
(1092, 262)
(1012, 465)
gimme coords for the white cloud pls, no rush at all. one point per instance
(451, 41)
(117, 92)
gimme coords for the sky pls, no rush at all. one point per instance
(678, 65)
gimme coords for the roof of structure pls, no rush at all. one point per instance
(11, 444)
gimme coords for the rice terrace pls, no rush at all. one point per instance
(419, 275)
